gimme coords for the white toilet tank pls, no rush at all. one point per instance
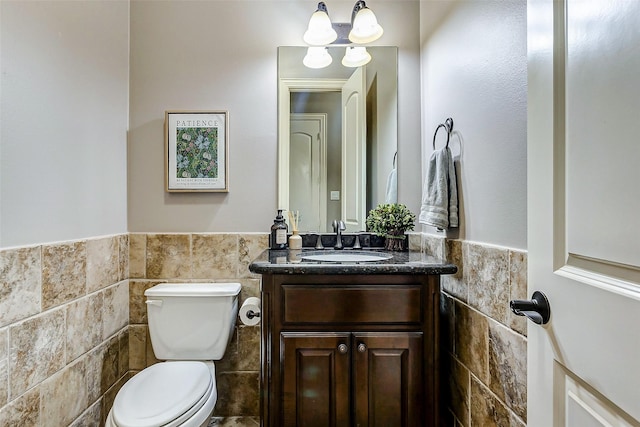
(191, 321)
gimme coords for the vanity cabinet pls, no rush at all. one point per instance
(320, 371)
(349, 350)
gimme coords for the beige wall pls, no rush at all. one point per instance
(64, 109)
(474, 69)
(222, 55)
(63, 292)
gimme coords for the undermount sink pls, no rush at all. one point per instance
(339, 256)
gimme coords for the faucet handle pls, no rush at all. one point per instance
(338, 227)
(319, 242)
(356, 244)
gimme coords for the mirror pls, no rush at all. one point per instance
(337, 137)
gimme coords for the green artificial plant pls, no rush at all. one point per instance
(391, 221)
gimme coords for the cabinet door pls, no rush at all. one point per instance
(315, 379)
(388, 379)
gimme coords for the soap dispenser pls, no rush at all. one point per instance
(279, 232)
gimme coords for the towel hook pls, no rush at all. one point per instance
(448, 126)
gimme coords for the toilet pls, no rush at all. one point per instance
(190, 326)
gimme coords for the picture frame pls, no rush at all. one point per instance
(197, 151)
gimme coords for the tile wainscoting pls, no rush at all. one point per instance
(73, 325)
(64, 318)
(484, 344)
(216, 257)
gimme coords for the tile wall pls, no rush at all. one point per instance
(73, 326)
(64, 339)
(214, 257)
(484, 344)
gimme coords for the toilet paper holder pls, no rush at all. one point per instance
(251, 314)
(250, 311)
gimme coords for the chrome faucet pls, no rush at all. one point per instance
(338, 228)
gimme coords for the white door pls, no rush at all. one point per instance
(354, 151)
(584, 211)
(308, 170)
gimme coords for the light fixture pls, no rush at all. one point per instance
(363, 28)
(317, 57)
(356, 56)
(320, 31)
(364, 25)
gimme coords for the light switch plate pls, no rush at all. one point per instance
(335, 195)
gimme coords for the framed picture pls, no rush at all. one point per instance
(197, 151)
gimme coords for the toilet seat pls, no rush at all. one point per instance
(164, 394)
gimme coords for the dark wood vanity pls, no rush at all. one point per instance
(350, 344)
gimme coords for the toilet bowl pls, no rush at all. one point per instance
(190, 326)
(167, 394)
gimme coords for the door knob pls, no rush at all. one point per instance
(362, 348)
(342, 348)
(536, 309)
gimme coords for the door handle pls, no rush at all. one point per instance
(536, 309)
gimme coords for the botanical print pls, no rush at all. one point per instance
(197, 153)
(196, 150)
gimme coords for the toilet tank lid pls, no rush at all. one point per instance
(194, 289)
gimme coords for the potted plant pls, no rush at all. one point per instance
(391, 221)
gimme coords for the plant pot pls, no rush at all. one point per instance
(395, 241)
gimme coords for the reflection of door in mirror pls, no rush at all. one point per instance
(308, 170)
(308, 184)
(329, 208)
(354, 151)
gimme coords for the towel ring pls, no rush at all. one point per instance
(448, 126)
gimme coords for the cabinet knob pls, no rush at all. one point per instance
(342, 348)
(362, 348)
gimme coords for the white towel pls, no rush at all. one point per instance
(391, 196)
(440, 192)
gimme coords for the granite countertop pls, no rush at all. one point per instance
(291, 262)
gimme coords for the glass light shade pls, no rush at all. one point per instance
(356, 56)
(320, 31)
(365, 27)
(317, 57)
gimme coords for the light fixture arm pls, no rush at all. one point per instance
(360, 4)
(322, 7)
